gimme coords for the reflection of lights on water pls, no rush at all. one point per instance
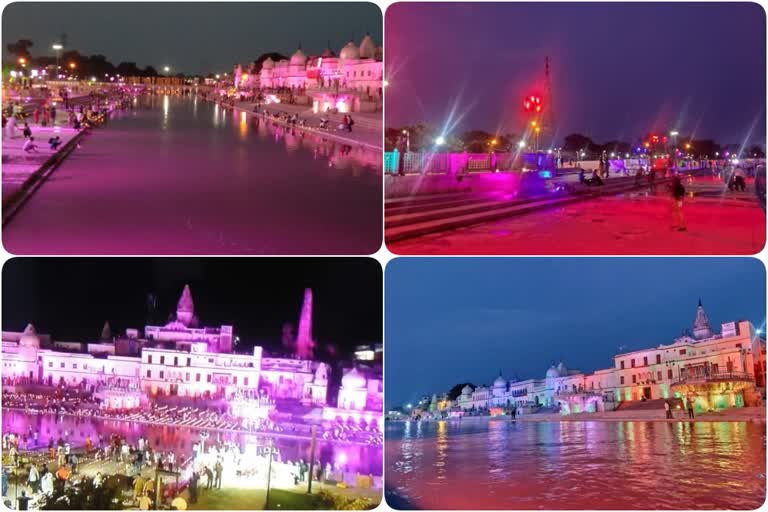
(166, 105)
(243, 124)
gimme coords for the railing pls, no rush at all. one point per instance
(584, 392)
(710, 377)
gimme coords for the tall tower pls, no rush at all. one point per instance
(185, 309)
(701, 329)
(549, 108)
(305, 345)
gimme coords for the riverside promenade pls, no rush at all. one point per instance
(366, 132)
(24, 171)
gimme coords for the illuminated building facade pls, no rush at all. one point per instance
(350, 81)
(183, 359)
(716, 370)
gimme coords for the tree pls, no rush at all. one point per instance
(455, 391)
(755, 151)
(128, 69)
(20, 48)
(577, 142)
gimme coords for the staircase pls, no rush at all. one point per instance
(648, 405)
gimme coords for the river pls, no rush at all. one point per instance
(355, 457)
(178, 175)
(498, 464)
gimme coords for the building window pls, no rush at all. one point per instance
(161, 374)
(682, 351)
(62, 365)
(186, 377)
(621, 380)
(658, 375)
(632, 363)
(210, 360)
(149, 358)
(622, 364)
(645, 360)
(208, 378)
(658, 358)
(50, 364)
(669, 374)
(175, 361)
(245, 381)
(74, 366)
(634, 379)
(234, 380)
(162, 359)
(197, 378)
(189, 361)
(738, 345)
(149, 374)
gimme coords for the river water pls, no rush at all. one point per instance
(490, 464)
(178, 175)
(353, 457)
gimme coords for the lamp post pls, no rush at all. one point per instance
(57, 48)
(407, 134)
(269, 473)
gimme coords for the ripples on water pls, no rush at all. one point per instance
(497, 464)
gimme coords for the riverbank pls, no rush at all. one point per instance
(277, 435)
(756, 414)
(367, 132)
(24, 172)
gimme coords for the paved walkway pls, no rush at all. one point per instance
(718, 221)
(19, 165)
(366, 131)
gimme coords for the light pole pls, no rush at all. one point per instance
(269, 473)
(407, 134)
(57, 48)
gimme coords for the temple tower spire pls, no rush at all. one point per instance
(701, 328)
(305, 345)
(185, 309)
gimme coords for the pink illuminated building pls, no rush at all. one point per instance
(350, 81)
(184, 359)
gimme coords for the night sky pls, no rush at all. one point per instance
(619, 70)
(70, 298)
(450, 321)
(190, 37)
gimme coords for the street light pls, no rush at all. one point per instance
(440, 140)
(386, 83)
(407, 141)
(57, 48)
(521, 144)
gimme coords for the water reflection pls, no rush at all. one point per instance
(366, 459)
(482, 464)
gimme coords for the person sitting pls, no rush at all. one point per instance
(54, 142)
(594, 179)
(30, 146)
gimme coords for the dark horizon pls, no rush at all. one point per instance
(71, 298)
(192, 38)
(618, 70)
(455, 320)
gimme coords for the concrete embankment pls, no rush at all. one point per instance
(23, 173)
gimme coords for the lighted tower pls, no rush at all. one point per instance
(549, 112)
(701, 329)
(185, 309)
(305, 345)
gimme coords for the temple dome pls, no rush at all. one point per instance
(500, 382)
(29, 338)
(268, 63)
(353, 380)
(328, 54)
(552, 373)
(562, 369)
(466, 390)
(367, 48)
(350, 51)
(298, 58)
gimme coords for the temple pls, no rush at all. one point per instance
(350, 81)
(713, 370)
(183, 359)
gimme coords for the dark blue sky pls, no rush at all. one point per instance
(618, 69)
(191, 37)
(453, 320)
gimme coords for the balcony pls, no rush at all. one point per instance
(709, 377)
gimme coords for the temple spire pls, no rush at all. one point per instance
(185, 309)
(701, 328)
(304, 343)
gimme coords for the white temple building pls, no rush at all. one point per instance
(715, 370)
(183, 359)
(350, 81)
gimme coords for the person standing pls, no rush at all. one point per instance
(33, 478)
(193, 487)
(678, 194)
(218, 469)
(667, 409)
(690, 408)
